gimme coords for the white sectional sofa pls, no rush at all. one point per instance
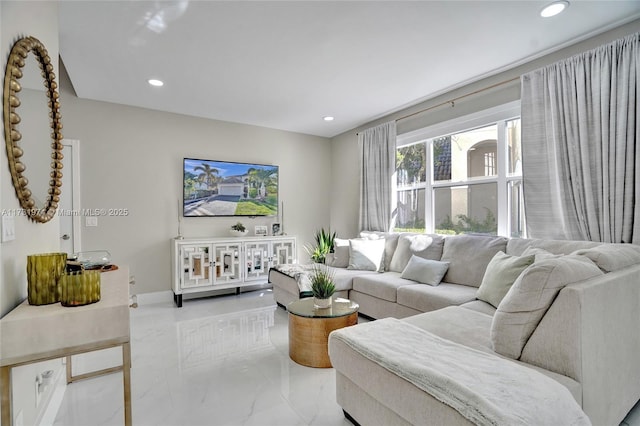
(569, 311)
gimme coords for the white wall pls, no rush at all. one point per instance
(344, 147)
(132, 158)
(19, 19)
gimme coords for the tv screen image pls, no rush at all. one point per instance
(224, 188)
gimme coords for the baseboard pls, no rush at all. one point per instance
(155, 297)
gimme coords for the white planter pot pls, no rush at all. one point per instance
(235, 233)
(322, 303)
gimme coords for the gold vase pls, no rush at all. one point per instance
(80, 288)
(43, 277)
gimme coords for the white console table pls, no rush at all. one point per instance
(30, 334)
(205, 264)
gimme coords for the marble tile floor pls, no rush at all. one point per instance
(216, 361)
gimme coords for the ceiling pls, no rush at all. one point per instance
(286, 65)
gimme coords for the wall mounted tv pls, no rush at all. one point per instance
(223, 188)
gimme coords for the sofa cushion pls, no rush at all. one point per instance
(612, 257)
(516, 246)
(501, 273)
(383, 286)
(468, 257)
(425, 271)
(343, 278)
(425, 246)
(540, 254)
(480, 306)
(340, 256)
(390, 243)
(366, 254)
(426, 298)
(531, 296)
(465, 326)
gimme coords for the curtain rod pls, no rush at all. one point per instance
(453, 101)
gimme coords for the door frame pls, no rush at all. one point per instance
(75, 192)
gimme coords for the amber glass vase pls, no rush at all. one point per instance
(43, 277)
(80, 288)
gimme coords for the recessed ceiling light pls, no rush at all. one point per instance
(154, 82)
(328, 118)
(554, 8)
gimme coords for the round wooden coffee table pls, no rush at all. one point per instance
(309, 329)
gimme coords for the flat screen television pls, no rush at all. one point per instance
(223, 188)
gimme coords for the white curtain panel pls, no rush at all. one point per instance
(581, 162)
(377, 147)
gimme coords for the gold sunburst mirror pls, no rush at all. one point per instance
(38, 211)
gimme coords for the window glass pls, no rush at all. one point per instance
(516, 209)
(466, 155)
(515, 148)
(466, 208)
(442, 159)
(473, 181)
(411, 209)
(410, 164)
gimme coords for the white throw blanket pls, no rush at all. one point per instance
(482, 387)
(298, 272)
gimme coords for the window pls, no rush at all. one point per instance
(490, 163)
(469, 180)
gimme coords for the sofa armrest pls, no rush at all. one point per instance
(590, 334)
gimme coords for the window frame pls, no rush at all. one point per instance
(499, 116)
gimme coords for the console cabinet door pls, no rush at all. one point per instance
(196, 270)
(256, 255)
(283, 252)
(228, 263)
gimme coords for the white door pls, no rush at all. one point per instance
(69, 207)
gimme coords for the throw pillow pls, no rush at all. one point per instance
(530, 297)
(391, 242)
(340, 257)
(421, 245)
(612, 257)
(366, 255)
(501, 273)
(425, 271)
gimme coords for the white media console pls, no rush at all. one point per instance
(205, 264)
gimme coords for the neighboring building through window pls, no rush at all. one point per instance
(468, 180)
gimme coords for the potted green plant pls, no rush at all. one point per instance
(238, 230)
(323, 245)
(322, 286)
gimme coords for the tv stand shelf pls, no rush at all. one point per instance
(204, 264)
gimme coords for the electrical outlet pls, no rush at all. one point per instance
(8, 228)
